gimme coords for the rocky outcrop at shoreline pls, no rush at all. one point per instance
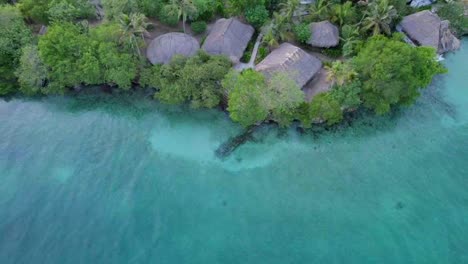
(427, 29)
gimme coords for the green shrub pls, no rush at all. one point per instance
(256, 16)
(333, 52)
(151, 8)
(302, 32)
(198, 27)
(115, 8)
(44, 11)
(325, 108)
(262, 53)
(393, 72)
(347, 95)
(13, 37)
(195, 80)
(66, 10)
(31, 73)
(169, 15)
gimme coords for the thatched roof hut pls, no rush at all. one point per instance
(228, 37)
(288, 58)
(427, 29)
(323, 35)
(163, 48)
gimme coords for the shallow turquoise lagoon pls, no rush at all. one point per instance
(101, 179)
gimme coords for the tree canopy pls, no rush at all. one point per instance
(196, 80)
(75, 55)
(392, 72)
(252, 98)
(14, 36)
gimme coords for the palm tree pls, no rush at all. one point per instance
(340, 73)
(279, 29)
(320, 10)
(288, 8)
(185, 9)
(342, 13)
(132, 27)
(379, 17)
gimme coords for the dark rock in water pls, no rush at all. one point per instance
(106, 89)
(400, 205)
(448, 42)
(233, 143)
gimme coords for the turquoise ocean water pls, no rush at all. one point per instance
(101, 179)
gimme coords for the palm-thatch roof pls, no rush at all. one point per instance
(228, 37)
(323, 35)
(163, 48)
(298, 64)
(427, 29)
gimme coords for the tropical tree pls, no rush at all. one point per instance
(132, 29)
(288, 8)
(351, 39)
(343, 13)
(325, 108)
(282, 98)
(279, 29)
(115, 8)
(196, 80)
(320, 10)
(378, 17)
(31, 73)
(185, 9)
(340, 73)
(246, 91)
(13, 37)
(392, 72)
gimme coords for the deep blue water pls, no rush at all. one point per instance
(104, 179)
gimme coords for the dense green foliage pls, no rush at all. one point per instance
(392, 72)
(14, 36)
(375, 71)
(114, 8)
(74, 56)
(45, 11)
(32, 73)
(347, 95)
(323, 108)
(198, 27)
(257, 15)
(252, 98)
(195, 80)
(236, 7)
(151, 8)
(246, 92)
(302, 32)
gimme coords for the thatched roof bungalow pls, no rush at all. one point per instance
(288, 58)
(427, 29)
(228, 37)
(323, 35)
(163, 48)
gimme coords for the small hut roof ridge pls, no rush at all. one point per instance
(228, 37)
(288, 58)
(163, 48)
